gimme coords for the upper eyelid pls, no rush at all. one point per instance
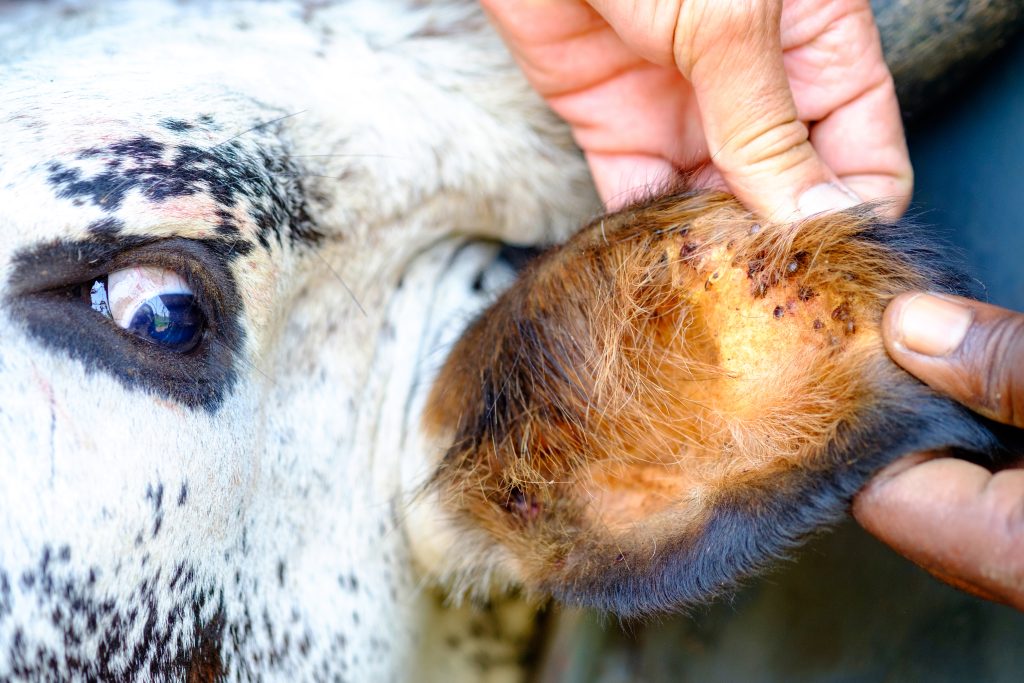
(55, 267)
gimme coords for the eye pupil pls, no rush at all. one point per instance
(170, 320)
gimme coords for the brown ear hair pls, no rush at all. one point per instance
(676, 397)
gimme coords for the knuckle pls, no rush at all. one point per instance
(999, 360)
(710, 30)
(772, 147)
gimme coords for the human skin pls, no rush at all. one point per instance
(789, 104)
(960, 521)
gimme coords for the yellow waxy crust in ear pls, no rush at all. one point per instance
(671, 366)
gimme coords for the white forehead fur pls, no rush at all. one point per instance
(281, 515)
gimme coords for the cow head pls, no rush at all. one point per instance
(233, 244)
(238, 244)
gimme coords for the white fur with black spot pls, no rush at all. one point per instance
(144, 538)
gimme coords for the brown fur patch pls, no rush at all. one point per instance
(663, 359)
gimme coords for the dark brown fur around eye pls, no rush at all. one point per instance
(677, 397)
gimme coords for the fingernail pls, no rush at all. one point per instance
(932, 326)
(826, 197)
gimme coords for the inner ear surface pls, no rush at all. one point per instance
(674, 373)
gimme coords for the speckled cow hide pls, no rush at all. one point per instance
(313, 172)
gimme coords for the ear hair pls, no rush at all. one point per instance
(678, 397)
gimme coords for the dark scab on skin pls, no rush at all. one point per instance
(842, 314)
(762, 277)
(796, 263)
(521, 504)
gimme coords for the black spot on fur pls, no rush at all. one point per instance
(5, 595)
(176, 125)
(156, 496)
(263, 183)
(107, 227)
(179, 571)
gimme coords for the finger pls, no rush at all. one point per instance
(636, 128)
(863, 143)
(957, 520)
(732, 54)
(562, 45)
(969, 350)
(636, 122)
(833, 58)
(622, 179)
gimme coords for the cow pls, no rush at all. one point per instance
(239, 244)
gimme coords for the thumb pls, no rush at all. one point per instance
(969, 350)
(732, 54)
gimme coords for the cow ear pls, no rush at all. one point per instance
(677, 397)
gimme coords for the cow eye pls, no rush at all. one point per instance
(154, 304)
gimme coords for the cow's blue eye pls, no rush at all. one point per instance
(152, 303)
(170, 320)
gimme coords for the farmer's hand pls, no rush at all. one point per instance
(791, 101)
(959, 521)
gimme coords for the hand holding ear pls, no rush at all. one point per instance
(790, 101)
(956, 519)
